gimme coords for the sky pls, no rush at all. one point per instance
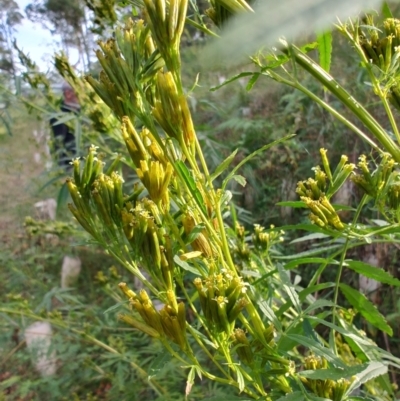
(37, 42)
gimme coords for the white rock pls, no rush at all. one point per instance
(47, 208)
(70, 270)
(369, 286)
(38, 341)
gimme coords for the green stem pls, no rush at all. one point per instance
(375, 83)
(208, 353)
(355, 107)
(343, 256)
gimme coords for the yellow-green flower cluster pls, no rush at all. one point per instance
(126, 61)
(316, 192)
(172, 111)
(329, 389)
(384, 51)
(168, 322)
(263, 240)
(221, 299)
(382, 184)
(142, 225)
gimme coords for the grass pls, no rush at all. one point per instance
(20, 176)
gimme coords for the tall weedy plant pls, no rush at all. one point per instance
(226, 295)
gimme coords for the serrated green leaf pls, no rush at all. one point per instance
(374, 369)
(373, 272)
(366, 308)
(324, 41)
(224, 165)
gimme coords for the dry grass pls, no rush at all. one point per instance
(21, 177)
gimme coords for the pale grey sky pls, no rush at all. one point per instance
(38, 42)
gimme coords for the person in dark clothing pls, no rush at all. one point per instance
(64, 138)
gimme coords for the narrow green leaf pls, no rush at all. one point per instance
(333, 373)
(324, 41)
(366, 308)
(194, 233)
(232, 79)
(291, 292)
(185, 266)
(186, 176)
(346, 332)
(356, 398)
(310, 237)
(252, 81)
(116, 306)
(309, 331)
(386, 12)
(305, 261)
(373, 272)
(318, 287)
(224, 165)
(240, 179)
(302, 295)
(190, 380)
(310, 252)
(319, 303)
(239, 377)
(294, 204)
(270, 314)
(62, 198)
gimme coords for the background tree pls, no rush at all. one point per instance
(69, 19)
(10, 16)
